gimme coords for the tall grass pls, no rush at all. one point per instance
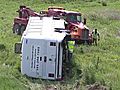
(90, 63)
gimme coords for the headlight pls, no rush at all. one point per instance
(75, 28)
(89, 34)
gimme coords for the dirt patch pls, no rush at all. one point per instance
(96, 86)
(51, 88)
(111, 14)
(118, 34)
(105, 14)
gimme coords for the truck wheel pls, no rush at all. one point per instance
(89, 42)
(16, 29)
(22, 29)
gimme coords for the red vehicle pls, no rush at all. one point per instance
(20, 22)
(78, 29)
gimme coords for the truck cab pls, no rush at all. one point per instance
(78, 29)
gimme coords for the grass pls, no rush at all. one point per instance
(98, 63)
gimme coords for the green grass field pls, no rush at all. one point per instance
(98, 63)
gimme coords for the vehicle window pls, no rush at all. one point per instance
(52, 44)
(78, 18)
(72, 18)
(75, 18)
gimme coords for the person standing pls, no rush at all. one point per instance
(96, 36)
(70, 50)
(71, 45)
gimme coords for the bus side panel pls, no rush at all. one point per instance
(60, 62)
(26, 57)
(51, 59)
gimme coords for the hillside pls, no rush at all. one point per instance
(98, 63)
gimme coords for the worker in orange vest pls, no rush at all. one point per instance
(96, 36)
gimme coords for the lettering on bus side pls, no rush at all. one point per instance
(35, 57)
(38, 52)
(32, 57)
